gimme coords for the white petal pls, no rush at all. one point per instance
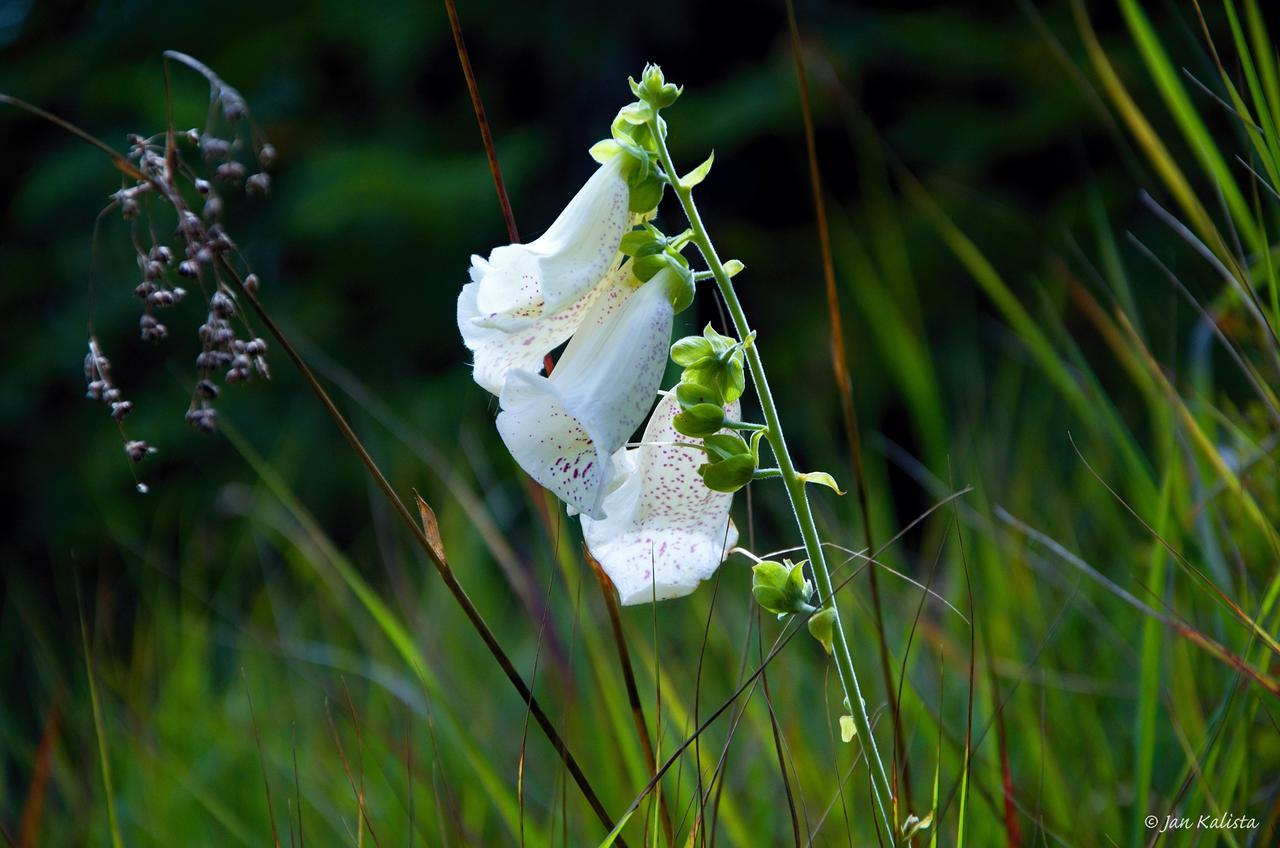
(665, 531)
(524, 346)
(567, 261)
(564, 429)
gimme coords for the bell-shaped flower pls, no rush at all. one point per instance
(665, 531)
(500, 351)
(519, 282)
(527, 299)
(564, 429)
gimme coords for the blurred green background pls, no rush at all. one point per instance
(226, 582)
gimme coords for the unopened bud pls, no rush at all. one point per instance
(781, 588)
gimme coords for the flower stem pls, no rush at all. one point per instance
(791, 479)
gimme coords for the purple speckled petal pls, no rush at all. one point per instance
(564, 429)
(665, 531)
(524, 346)
(544, 276)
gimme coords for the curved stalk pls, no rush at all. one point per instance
(795, 486)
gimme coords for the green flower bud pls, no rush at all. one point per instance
(797, 584)
(721, 365)
(821, 627)
(679, 285)
(722, 446)
(768, 585)
(699, 420)
(690, 349)
(655, 257)
(780, 587)
(640, 242)
(646, 192)
(689, 395)
(728, 475)
(654, 89)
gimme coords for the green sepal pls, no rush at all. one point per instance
(689, 395)
(768, 585)
(639, 242)
(680, 287)
(719, 344)
(690, 349)
(646, 192)
(780, 587)
(636, 114)
(797, 585)
(821, 627)
(605, 150)
(646, 266)
(653, 87)
(728, 475)
(722, 446)
(699, 421)
(724, 373)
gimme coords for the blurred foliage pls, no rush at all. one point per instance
(219, 587)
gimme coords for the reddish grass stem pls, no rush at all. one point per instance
(839, 364)
(486, 135)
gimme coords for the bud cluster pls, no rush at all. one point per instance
(714, 378)
(97, 374)
(632, 132)
(651, 252)
(185, 175)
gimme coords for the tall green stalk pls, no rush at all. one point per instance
(791, 478)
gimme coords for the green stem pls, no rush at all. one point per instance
(744, 425)
(795, 486)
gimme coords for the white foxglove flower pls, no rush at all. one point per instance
(564, 429)
(521, 282)
(665, 531)
(499, 351)
(525, 300)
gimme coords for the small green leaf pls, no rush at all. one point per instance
(733, 268)
(698, 174)
(821, 478)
